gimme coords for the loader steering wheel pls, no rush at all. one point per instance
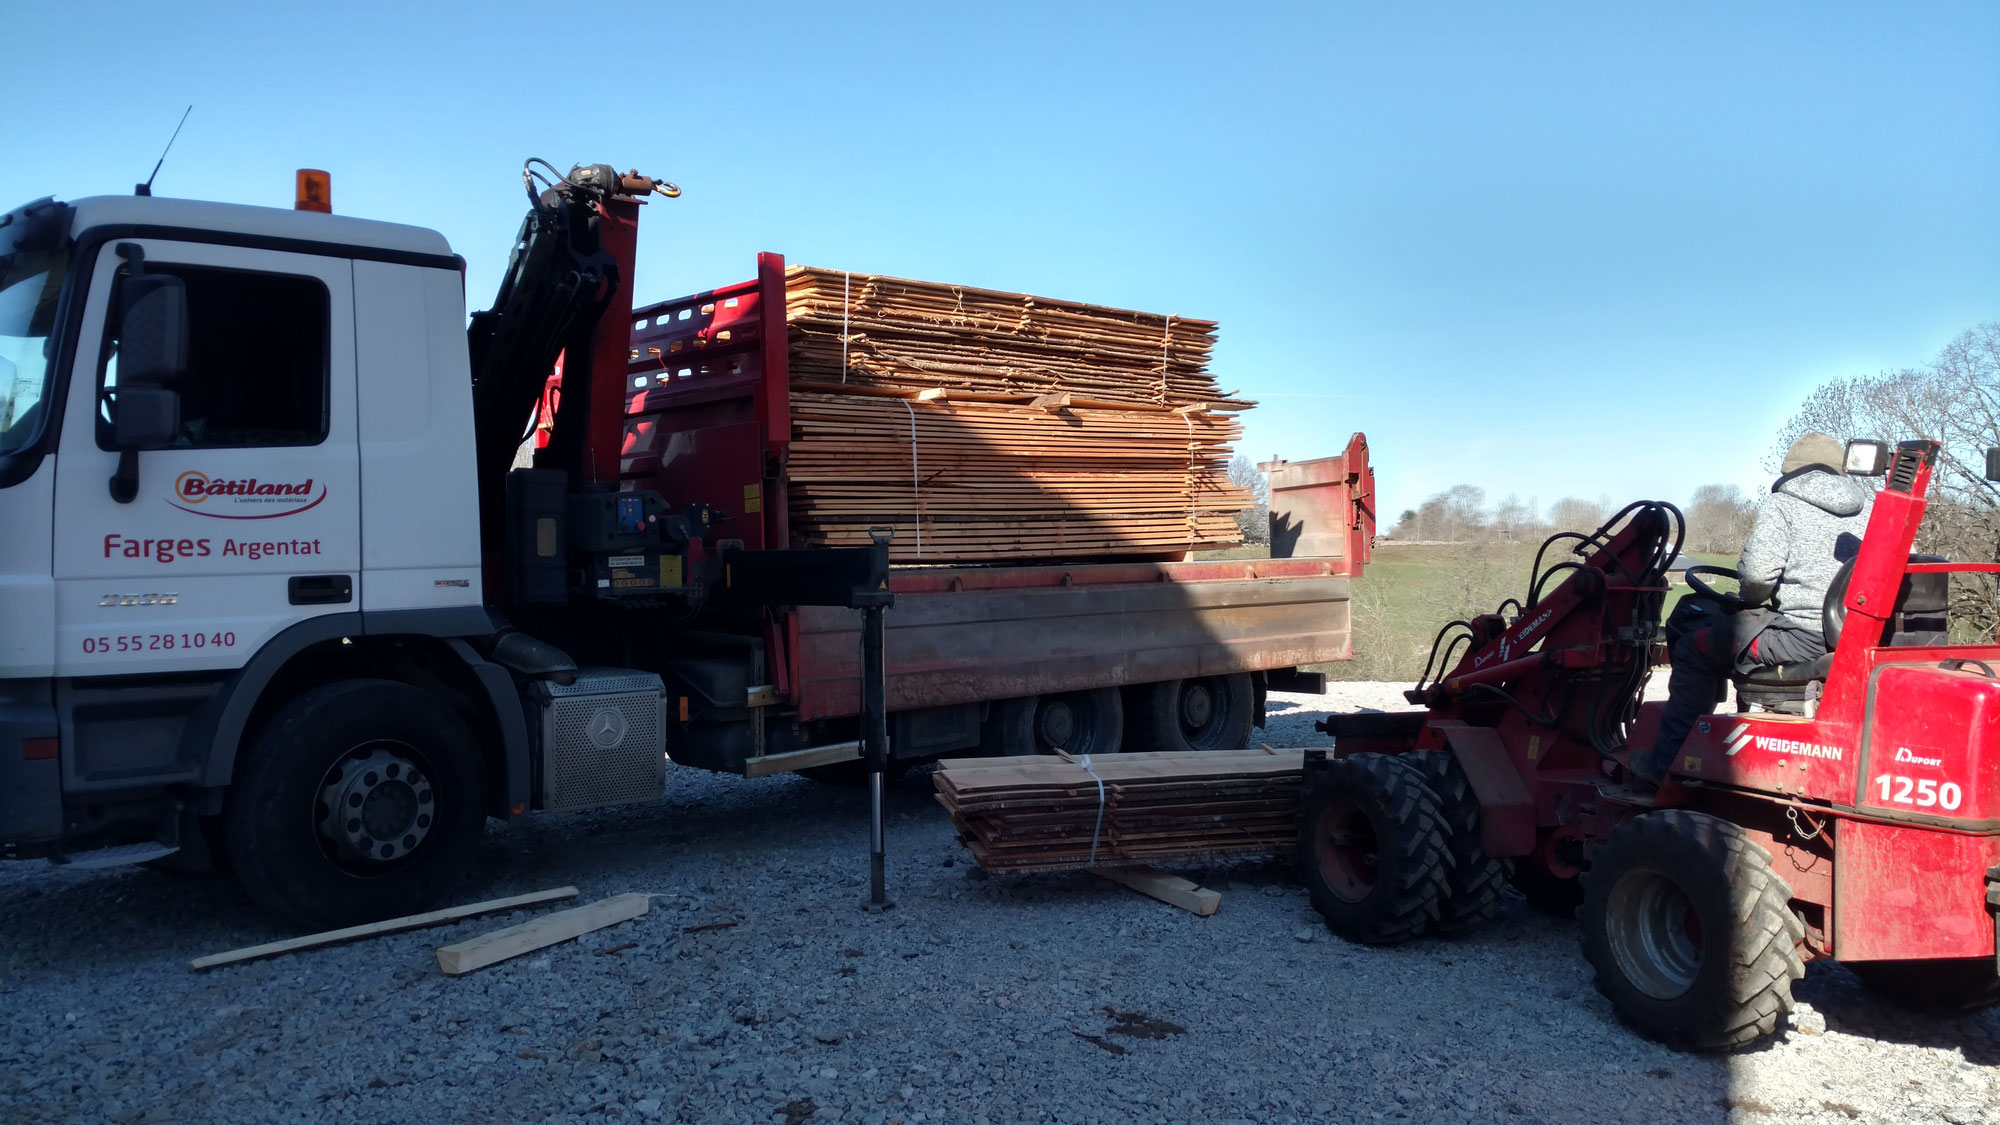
(1731, 603)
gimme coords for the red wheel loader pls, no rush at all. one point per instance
(1848, 810)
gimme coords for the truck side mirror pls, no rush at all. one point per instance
(152, 329)
(1993, 463)
(145, 418)
(142, 417)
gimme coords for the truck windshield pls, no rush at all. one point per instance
(34, 256)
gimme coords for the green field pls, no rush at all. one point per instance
(1407, 593)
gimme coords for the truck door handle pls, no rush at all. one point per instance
(320, 589)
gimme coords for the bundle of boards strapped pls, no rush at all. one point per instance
(986, 426)
(1042, 813)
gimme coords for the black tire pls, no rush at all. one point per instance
(1691, 932)
(1943, 987)
(1203, 713)
(1371, 848)
(1477, 882)
(1009, 728)
(1077, 722)
(278, 823)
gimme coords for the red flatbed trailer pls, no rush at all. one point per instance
(708, 414)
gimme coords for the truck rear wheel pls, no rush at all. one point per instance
(1477, 881)
(1951, 987)
(357, 801)
(1691, 932)
(1201, 713)
(1076, 722)
(1371, 848)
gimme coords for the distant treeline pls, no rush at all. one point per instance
(1718, 517)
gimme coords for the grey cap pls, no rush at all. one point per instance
(1815, 449)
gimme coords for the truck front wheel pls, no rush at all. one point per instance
(357, 801)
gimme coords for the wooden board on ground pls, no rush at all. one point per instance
(1170, 889)
(539, 933)
(375, 929)
(1047, 813)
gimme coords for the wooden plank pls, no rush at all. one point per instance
(375, 929)
(539, 933)
(1042, 812)
(1170, 889)
(1055, 429)
(790, 760)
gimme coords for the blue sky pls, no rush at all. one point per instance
(1549, 249)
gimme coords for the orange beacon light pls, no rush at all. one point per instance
(315, 192)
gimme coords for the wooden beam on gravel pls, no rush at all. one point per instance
(540, 933)
(376, 929)
(1170, 889)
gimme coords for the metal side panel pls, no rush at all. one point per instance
(1902, 893)
(970, 645)
(603, 739)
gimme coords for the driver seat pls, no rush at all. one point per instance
(1919, 618)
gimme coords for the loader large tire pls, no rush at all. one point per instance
(1691, 932)
(1947, 987)
(1371, 848)
(1477, 882)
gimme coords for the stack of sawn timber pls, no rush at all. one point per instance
(1040, 813)
(987, 426)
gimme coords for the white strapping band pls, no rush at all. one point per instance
(1083, 764)
(846, 279)
(1189, 419)
(1166, 340)
(916, 490)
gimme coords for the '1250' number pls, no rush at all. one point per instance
(1921, 792)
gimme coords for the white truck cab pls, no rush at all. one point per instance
(288, 484)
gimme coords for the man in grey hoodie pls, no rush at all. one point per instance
(1810, 524)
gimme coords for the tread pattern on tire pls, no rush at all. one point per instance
(1410, 834)
(271, 846)
(1477, 882)
(1756, 987)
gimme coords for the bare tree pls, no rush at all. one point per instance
(1456, 515)
(1514, 520)
(1573, 514)
(1955, 401)
(1255, 521)
(1718, 519)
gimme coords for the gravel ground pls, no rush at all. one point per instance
(1053, 997)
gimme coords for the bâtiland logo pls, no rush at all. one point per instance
(244, 498)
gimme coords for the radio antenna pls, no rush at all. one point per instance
(147, 187)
